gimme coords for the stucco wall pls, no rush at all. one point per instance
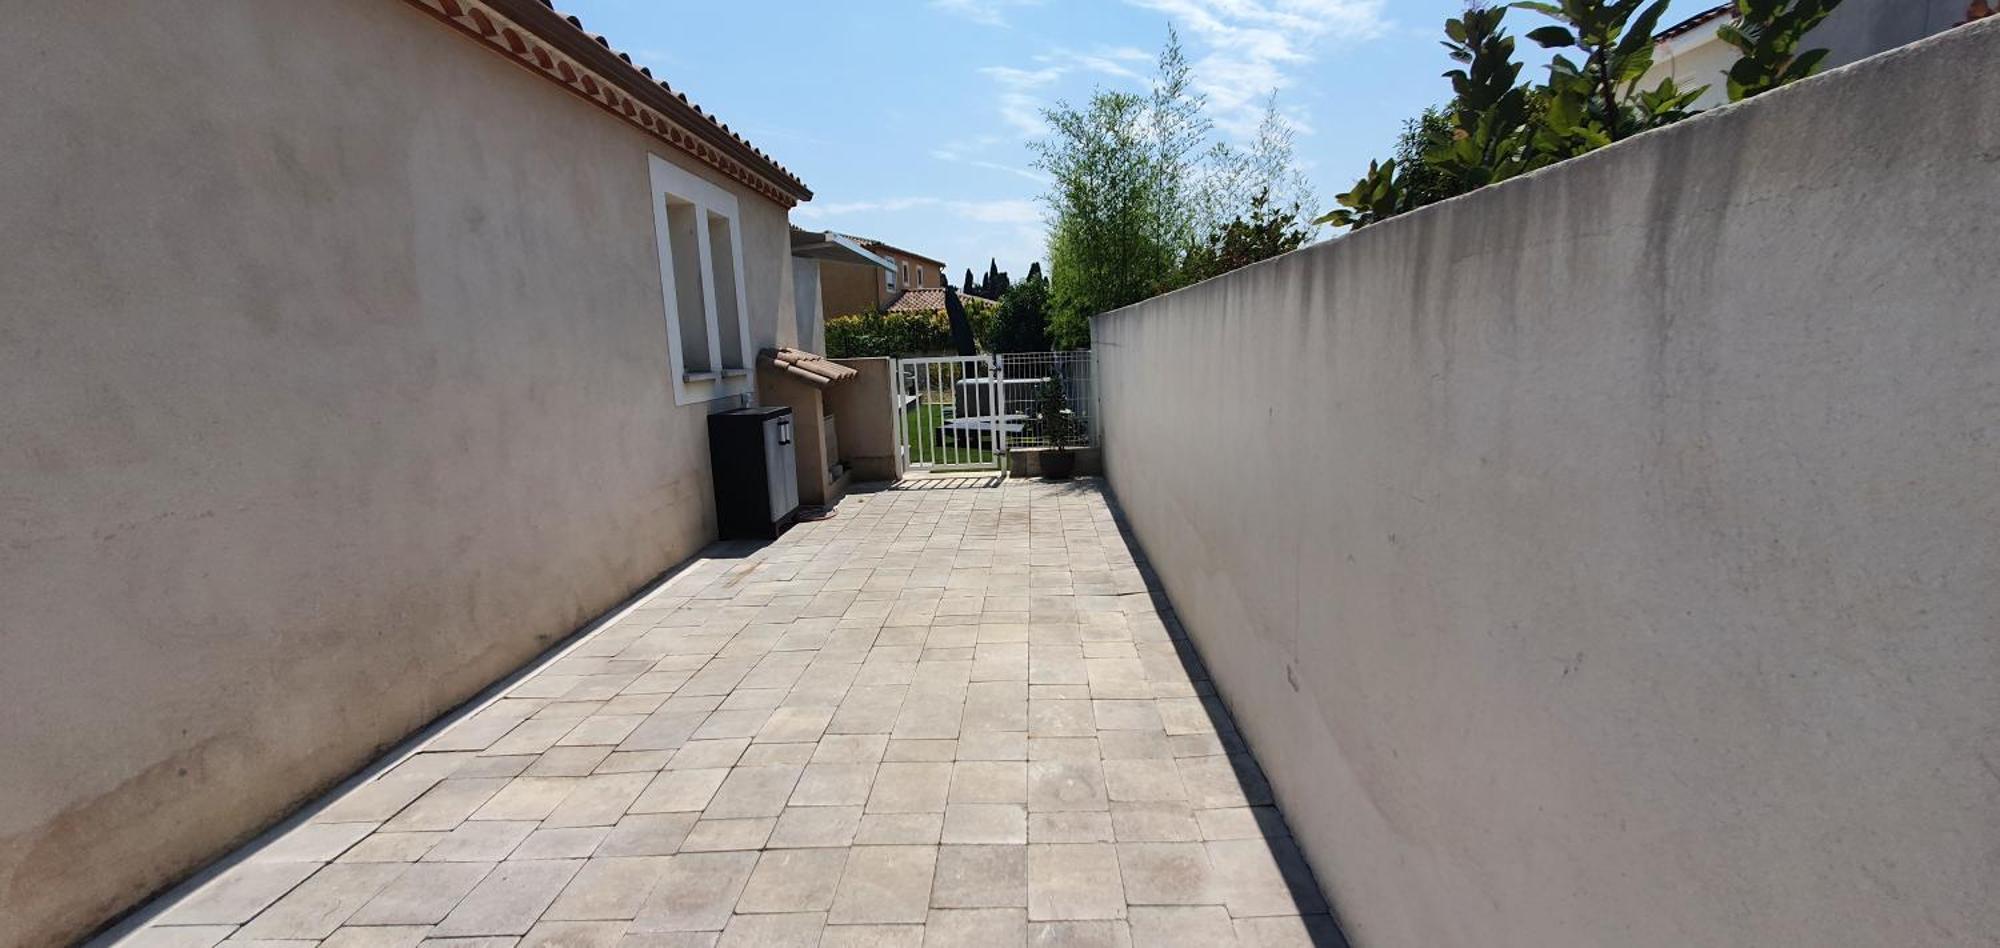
(1608, 558)
(332, 387)
(850, 288)
(867, 419)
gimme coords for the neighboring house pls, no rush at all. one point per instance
(814, 254)
(856, 288)
(357, 352)
(930, 300)
(1693, 54)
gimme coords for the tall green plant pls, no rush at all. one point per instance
(1592, 103)
(1768, 34)
(1488, 140)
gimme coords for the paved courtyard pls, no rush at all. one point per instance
(954, 715)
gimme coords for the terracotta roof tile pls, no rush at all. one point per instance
(929, 299)
(809, 367)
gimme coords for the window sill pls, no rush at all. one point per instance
(700, 376)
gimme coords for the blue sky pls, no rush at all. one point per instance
(910, 118)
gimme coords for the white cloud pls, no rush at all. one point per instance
(1020, 105)
(1253, 46)
(985, 12)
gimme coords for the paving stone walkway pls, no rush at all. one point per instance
(943, 717)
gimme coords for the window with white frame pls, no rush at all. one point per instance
(890, 277)
(701, 283)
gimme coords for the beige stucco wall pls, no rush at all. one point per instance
(867, 419)
(332, 387)
(850, 288)
(1609, 557)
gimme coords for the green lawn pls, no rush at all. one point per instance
(922, 423)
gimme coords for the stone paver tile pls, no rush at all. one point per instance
(920, 751)
(598, 801)
(885, 884)
(989, 782)
(481, 841)
(422, 895)
(1059, 785)
(576, 842)
(995, 706)
(571, 934)
(851, 749)
(894, 829)
(1201, 926)
(834, 785)
(993, 745)
(393, 847)
(669, 939)
(1124, 715)
(380, 936)
(1185, 716)
(680, 791)
(1264, 877)
(567, 762)
(1060, 718)
(1074, 881)
(239, 894)
(949, 928)
(531, 737)
(1168, 874)
(1095, 934)
(1215, 782)
(872, 936)
(1257, 822)
(1064, 748)
(988, 823)
(445, 805)
(1289, 931)
(696, 893)
(647, 834)
(527, 798)
(509, 899)
(774, 931)
(321, 903)
(664, 730)
(313, 842)
(602, 730)
(808, 826)
(765, 755)
(635, 762)
(733, 834)
(496, 941)
(910, 788)
(1154, 823)
(791, 725)
(753, 792)
(189, 936)
(981, 877)
(726, 724)
(607, 889)
(793, 880)
(709, 755)
(1143, 780)
(1134, 745)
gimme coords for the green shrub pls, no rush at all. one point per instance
(902, 335)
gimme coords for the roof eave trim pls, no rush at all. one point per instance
(610, 81)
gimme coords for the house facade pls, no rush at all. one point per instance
(854, 288)
(339, 335)
(1693, 53)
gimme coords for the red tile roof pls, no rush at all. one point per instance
(805, 366)
(1691, 23)
(929, 299)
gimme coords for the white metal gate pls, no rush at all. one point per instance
(950, 413)
(964, 413)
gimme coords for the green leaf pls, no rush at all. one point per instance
(1553, 37)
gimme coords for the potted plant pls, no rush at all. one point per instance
(1058, 427)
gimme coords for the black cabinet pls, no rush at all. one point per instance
(756, 471)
